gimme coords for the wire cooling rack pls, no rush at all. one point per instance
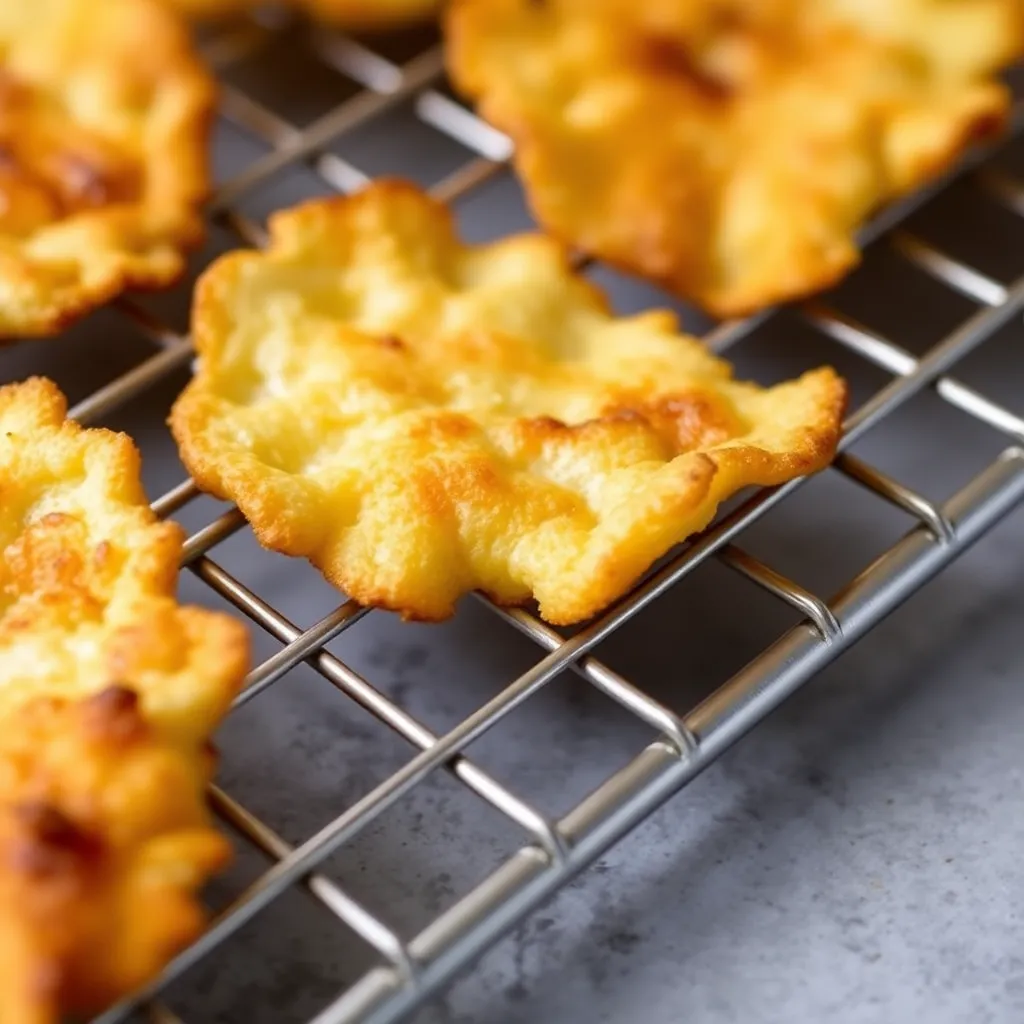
(408, 72)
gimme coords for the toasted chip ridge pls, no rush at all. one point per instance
(731, 149)
(104, 115)
(421, 417)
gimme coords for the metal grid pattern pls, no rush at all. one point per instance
(681, 745)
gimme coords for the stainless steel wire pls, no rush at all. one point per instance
(680, 745)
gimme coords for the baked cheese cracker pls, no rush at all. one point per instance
(731, 149)
(104, 111)
(420, 417)
(104, 840)
(88, 575)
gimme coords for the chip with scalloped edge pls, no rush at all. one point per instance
(104, 116)
(88, 576)
(421, 417)
(731, 149)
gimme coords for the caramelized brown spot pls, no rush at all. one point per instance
(685, 421)
(546, 425)
(986, 127)
(727, 18)
(51, 167)
(115, 700)
(12, 90)
(113, 715)
(662, 55)
(443, 426)
(392, 341)
(623, 416)
(50, 843)
(82, 181)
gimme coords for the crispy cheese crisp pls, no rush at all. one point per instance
(104, 111)
(366, 14)
(421, 417)
(87, 577)
(104, 840)
(731, 149)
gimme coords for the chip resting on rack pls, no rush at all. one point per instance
(88, 574)
(420, 417)
(104, 111)
(355, 14)
(731, 149)
(104, 840)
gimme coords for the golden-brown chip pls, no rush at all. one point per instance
(731, 149)
(104, 112)
(87, 577)
(420, 417)
(104, 839)
(368, 14)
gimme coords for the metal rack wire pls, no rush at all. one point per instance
(681, 745)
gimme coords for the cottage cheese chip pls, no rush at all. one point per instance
(104, 112)
(87, 577)
(420, 417)
(731, 149)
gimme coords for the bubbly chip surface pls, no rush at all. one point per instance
(87, 577)
(421, 418)
(104, 839)
(349, 13)
(104, 112)
(731, 149)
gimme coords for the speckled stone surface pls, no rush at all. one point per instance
(857, 859)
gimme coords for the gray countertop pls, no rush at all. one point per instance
(856, 859)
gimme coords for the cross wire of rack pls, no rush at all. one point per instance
(682, 745)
